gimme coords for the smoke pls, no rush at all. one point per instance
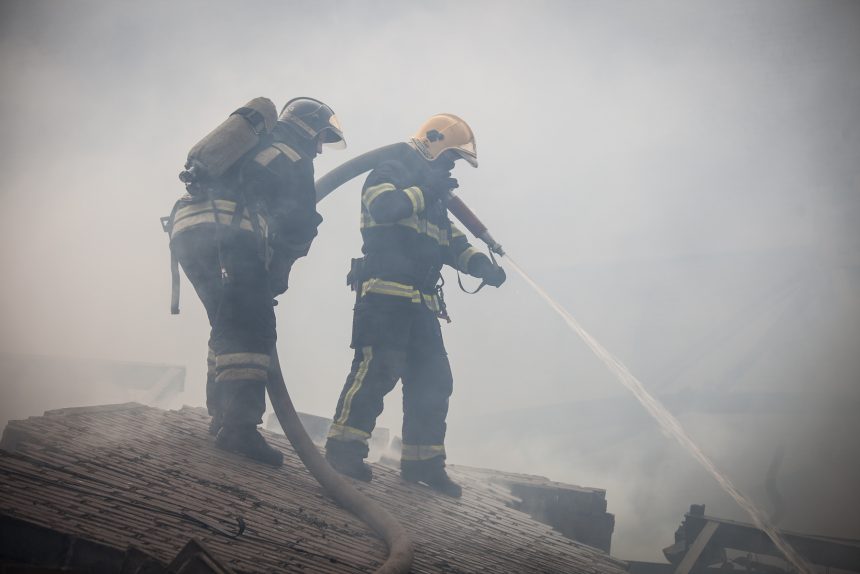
(682, 176)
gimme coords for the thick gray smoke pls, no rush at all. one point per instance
(682, 176)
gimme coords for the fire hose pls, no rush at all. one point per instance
(400, 550)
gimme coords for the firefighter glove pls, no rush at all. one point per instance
(495, 276)
(440, 182)
(449, 183)
(491, 273)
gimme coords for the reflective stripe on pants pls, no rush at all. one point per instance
(421, 451)
(419, 360)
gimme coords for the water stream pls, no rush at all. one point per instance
(669, 424)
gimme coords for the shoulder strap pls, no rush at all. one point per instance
(174, 284)
(287, 151)
(462, 288)
(255, 118)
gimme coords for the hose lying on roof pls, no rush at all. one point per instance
(399, 545)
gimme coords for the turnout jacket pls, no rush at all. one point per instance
(270, 194)
(407, 234)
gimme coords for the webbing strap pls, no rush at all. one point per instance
(255, 118)
(167, 226)
(261, 237)
(217, 214)
(238, 213)
(481, 286)
(460, 282)
(174, 284)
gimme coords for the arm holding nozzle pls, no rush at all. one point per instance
(494, 245)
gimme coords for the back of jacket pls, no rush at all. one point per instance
(273, 187)
(280, 178)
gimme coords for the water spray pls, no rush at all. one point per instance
(655, 408)
(668, 423)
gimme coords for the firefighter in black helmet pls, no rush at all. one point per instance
(237, 238)
(396, 334)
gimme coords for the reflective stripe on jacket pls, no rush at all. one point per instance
(222, 212)
(407, 234)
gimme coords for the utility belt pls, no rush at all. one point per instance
(363, 278)
(406, 269)
(233, 214)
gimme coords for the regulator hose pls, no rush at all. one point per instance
(400, 550)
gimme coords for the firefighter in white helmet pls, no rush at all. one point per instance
(396, 335)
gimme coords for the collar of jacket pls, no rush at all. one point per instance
(284, 132)
(418, 166)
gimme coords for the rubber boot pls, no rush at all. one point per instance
(432, 473)
(249, 442)
(216, 423)
(347, 458)
(213, 396)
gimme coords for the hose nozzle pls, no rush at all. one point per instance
(468, 218)
(494, 245)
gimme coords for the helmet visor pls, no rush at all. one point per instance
(468, 152)
(332, 135)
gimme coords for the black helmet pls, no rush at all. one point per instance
(313, 118)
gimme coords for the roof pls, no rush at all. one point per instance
(30, 384)
(129, 474)
(707, 539)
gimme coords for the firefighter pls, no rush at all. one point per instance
(407, 238)
(237, 239)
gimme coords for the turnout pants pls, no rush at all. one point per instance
(396, 340)
(241, 316)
